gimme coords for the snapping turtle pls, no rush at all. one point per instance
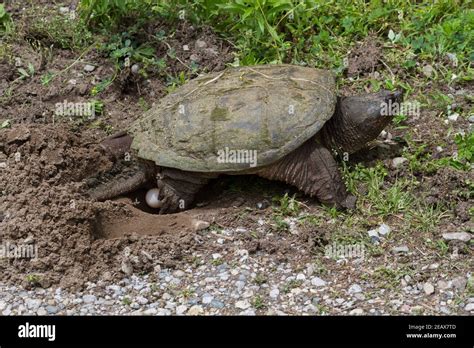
(280, 122)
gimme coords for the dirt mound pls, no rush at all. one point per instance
(43, 203)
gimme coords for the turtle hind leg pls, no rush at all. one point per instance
(125, 182)
(177, 188)
(312, 169)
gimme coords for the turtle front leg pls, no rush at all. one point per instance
(312, 169)
(177, 188)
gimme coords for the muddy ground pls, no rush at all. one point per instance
(46, 162)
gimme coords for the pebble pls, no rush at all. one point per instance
(459, 283)
(150, 311)
(89, 298)
(207, 298)
(318, 282)
(89, 68)
(373, 233)
(195, 310)
(356, 311)
(181, 309)
(428, 70)
(127, 267)
(41, 311)
(355, 288)
(217, 304)
(400, 249)
(443, 285)
(397, 162)
(200, 44)
(185, 47)
(461, 236)
(428, 288)
(274, 293)
(453, 117)
(384, 229)
(52, 309)
(142, 300)
(471, 119)
(243, 304)
(469, 307)
(135, 69)
(200, 225)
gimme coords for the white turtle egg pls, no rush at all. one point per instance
(152, 198)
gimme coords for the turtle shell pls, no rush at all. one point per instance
(234, 120)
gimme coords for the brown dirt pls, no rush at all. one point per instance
(364, 58)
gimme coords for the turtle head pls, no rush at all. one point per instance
(360, 119)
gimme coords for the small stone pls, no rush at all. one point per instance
(443, 285)
(318, 282)
(89, 298)
(373, 233)
(459, 283)
(52, 309)
(400, 249)
(127, 267)
(300, 276)
(471, 119)
(434, 266)
(150, 311)
(461, 236)
(356, 311)
(181, 309)
(200, 225)
(195, 58)
(469, 307)
(428, 70)
(41, 311)
(243, 304)
(453, 117)
(200, 44)
(63, 9)
(217, 304)
(207, 298)
(428, 288)
(185, 47)
(135, 68)
(453, 58)
(384, 229)
(397, 162)
(195, 310)
(89, 68)
(142, 300)
(179, 274)
(355, 288)
(216, 256)
(274, 293)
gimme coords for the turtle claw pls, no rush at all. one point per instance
(169, 201)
